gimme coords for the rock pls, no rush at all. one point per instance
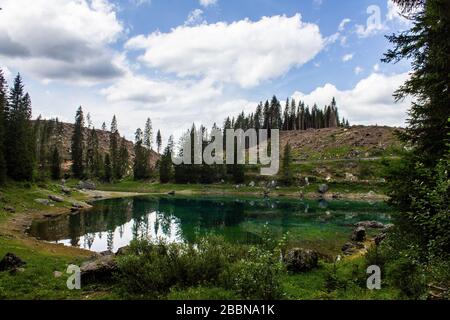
(252, 184)
(306, 181)
(350, 177)
(9, 209)
(300, 260)
(370, 224)
(98, 270)
(88, 185)
(379, 238)
(337, 195)
(66, 190)
(79, 205)
(55, 198)
(11, 262)
(123, 251)
(388, 226)
(44, 202)
(351, 247)
(57, 274)
(323, 188)
(106, 253)
(359, 234)
(171, 193)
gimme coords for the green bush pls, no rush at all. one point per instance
(155, 267)
(258, 276)
(407, 276)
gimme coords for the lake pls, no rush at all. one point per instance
(112, 224)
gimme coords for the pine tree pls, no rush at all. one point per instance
(141, 166)
(107, 168)
(286, 170)
(55, 164)
(165, 166)
(3, 110)
(124, 158)
(104, 127)
(148, 134)
(19, 138)
(77, 145)
(158, 140)
(114, 137)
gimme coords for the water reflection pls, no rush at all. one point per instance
(112, 224)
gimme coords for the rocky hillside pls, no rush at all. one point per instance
(357, 142)
(103, 138)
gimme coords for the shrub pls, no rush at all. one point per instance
(407, 276)
(258, 276)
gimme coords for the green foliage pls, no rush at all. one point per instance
(286, 168)
(107, 168)
(165, 166)
(3, 100)
(56, 164)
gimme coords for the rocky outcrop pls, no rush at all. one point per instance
(359, 234)
(99, 270)
(323, 188)
(301, 260)
(87, 185)
(44, 202)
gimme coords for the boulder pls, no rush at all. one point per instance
(56, 198)
(78, 205)
(98, 270)
(9, 209)
(44, 202)
(359, 234)
(370, 224)
(57, 274)
(252, 184)
(88, 185)
(300, 260)
(66, 190)
(11, 262)
(123, 251)
(379, 238)
(323, 188)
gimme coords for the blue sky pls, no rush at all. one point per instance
(184, 61)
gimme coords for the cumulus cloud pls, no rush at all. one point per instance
(60, 39)
(347, 57)
(195, 17)
(369, 102)
(343, 23)
(243, 52)
(207, 3)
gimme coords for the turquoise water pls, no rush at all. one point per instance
(111, 224)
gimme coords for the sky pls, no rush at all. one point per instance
(185, 61)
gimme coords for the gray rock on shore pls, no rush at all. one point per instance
(301, 260)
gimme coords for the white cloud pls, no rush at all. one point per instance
(139, 3)
(195, 17)
(376, 67)
(358, 70)
(342, 24)
(207, 3)
(60, 39)
(369, 102)
(243, 52)
(394, 14)
(347, 57)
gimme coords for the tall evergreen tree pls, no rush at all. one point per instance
(286, 168)
(158, 140)
(114, 138)
(107, 168)
(78, 145)
(55, 164)
(19, 138)
(148, 134)
(3, 110)
(124, 158)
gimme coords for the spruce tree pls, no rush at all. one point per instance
(55, 164)
(286, 168)
(158, 140)
(114, 137)
(107, 168)
(124, 158)
(19, 137)
(3, 110)
(165, 166)
(148, 134)
(78, 145)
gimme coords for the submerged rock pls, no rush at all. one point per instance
(11, 262)
(300, 260)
